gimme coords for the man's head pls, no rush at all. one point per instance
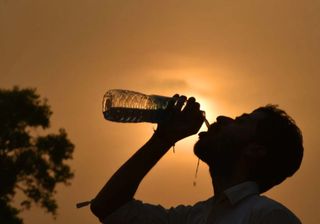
(267, 141)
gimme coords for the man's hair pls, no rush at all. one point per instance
(279, 134)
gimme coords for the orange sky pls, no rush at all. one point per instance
(232, 55)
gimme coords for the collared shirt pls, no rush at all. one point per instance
(240, 204)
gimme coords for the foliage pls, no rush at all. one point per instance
(29, 162)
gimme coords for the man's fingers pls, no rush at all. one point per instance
(172, 102)
(180, 103)
(193, 110)
(177, 103)
(192, 105)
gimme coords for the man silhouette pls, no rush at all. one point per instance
(246, 156)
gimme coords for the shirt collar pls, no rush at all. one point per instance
(240, 191)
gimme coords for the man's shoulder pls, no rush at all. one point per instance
(267, 208)
(266, 203)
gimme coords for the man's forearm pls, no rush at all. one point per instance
(124, 183)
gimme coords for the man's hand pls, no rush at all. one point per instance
(180, 121)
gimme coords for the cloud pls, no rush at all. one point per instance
(173, 83)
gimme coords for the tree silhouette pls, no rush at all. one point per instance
(31, 163)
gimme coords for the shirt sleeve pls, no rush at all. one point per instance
(136, 211)
(280, 216)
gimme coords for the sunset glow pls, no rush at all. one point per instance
(231, 56)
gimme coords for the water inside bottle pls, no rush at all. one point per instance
(132, 115)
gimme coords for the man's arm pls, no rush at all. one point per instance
(120, 189)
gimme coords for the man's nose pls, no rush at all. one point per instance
(224, 120)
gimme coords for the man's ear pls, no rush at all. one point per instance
(255, 151)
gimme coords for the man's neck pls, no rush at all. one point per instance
(221, 183)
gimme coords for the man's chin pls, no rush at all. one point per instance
(200, 152)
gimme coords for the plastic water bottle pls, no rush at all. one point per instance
(131, 107)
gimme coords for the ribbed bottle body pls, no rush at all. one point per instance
(131, 107)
